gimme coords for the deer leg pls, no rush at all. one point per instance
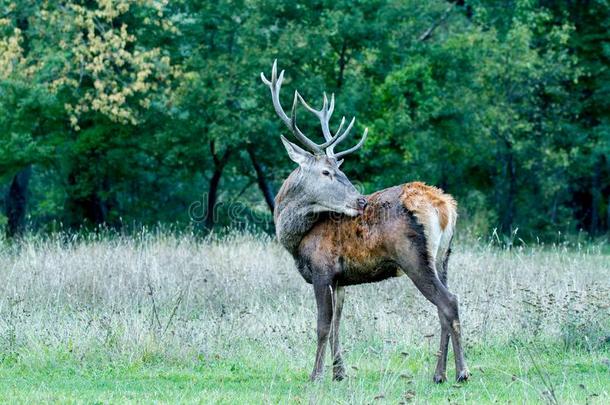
(323, 291)
(433, 289)
(338, 366)
(440, 375)
(456, 339)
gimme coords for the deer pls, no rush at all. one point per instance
(339, 237)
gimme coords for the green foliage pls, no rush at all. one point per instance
(130, 113)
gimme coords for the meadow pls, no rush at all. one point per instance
(161, 318)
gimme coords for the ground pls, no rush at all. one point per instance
(160, 318)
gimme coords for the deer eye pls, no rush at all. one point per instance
(326, 172)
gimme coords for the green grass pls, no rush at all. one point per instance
(160, 318)
(500, 374)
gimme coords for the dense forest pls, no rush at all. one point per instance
(124, 114)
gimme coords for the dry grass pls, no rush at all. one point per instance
(178, 300)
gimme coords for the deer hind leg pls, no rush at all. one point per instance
(338, 366)
(455, 331)
(323, 290)
(428, 283)
(440, 375)
(448, 308)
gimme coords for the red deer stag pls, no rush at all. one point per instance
(339, 237)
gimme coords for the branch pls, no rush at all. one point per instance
(219, 162)
(263, 184)
(426, 35)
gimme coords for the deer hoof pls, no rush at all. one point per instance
(463, 375)
(440, 378)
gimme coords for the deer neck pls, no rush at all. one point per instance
(292, 224)
(292, 216)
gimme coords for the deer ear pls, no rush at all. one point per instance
(297, 154)
(340, 162)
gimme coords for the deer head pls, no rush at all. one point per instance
(320, 183)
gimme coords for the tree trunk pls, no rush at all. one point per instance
(596, 198)
(265, 187)
(219, 165)
(343, 59)
(210, 217)
(508, 214)
(87, 209)
(608, 216)
(16, 203)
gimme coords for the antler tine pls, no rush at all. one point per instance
(330, 111)
(324, 116)
(330, 151)
(341, 124)
(324, 121)
(293, 110)
(275, 85)
(355, 147)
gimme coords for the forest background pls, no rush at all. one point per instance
(124, 114)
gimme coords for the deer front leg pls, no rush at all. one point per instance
(338, 366)
(323, 290)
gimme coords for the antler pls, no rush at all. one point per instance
(323, 115)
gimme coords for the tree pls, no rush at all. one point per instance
(27, 108)
(478, 113)
(109, 77)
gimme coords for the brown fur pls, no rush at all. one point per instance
(421, 198)
(362, 248)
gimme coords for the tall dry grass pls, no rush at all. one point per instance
(177, 298)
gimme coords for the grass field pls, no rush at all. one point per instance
(174, 319)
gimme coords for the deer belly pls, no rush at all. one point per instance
(360, 274)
